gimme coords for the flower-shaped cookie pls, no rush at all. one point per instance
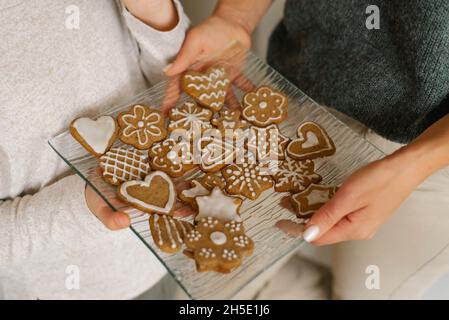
(141, 126)
(218, 246)
(264, 107)
(188, 117)
(171, 157)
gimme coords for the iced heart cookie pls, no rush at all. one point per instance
(156, 194)
(246, 179)
(168, 233)
(96, 136)
(201, 187)
(141, 126)
(174, 158)
(124, 164)
(312, 142)
(188, 117)
(218, 246)
(267, 143)
(229, 119)
(294, 176)
(218, 205)
(314, 197)
(208, 89)
(265, 106)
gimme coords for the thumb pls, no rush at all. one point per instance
(329, 215)
(187, 55)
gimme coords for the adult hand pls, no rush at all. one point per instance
(365, 201)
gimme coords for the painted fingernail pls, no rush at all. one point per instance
(311, 233)
(167, 67)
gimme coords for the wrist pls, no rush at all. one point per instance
(235, 16)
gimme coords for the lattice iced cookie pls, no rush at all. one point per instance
(294, 176)
(314, 197)
(200, 187)
(174, 158)
(265, 106)
(312, 142)
(218, 205)
(267, 143)
(208, 89)
(188, 117)
(155, 194)
(124, 164)
(96, 136)
(168, 233)
(141, 126)
(246, 179)
(218, 246)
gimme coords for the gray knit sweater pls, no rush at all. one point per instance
(394, 79)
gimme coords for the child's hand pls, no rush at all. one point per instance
(212, 35)
(159, 14)
(113, 220)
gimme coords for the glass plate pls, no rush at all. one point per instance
(259, 216)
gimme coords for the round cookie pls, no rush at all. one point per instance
(124, 164)
(155, 194)
(141, 126)
(96, 136)
(208, 89)
(218, 246)
(265, 106)
(168, 233)
(312, 142)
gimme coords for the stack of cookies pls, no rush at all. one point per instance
(238, 153)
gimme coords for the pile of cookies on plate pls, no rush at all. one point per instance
(239, 152)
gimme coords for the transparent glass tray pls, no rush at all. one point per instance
(259, 216)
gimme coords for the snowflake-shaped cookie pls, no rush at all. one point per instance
(267, 143)
(188, 117)
(218, 246)
(294, 176)
(246, 179)
(172, 157)
(141, 126)
(264, 107)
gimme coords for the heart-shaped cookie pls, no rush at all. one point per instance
(313, 142)
(156, 194)
(208, 89)
(96, 136)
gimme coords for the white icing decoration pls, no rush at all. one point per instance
(218, 238)
(129, 160)
(195, 191)
(158, 229)
(299, 173)
(143, 133)
(249, 112)
(317, 196)
(146, 183)
(192, 116)
(268, 142)
(218, 205)
(302, 141)
(96, 133)
(311, 140)
(237, 178)
(169, 232)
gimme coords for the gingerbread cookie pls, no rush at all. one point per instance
(314, 197)
(294, 176)
(155, 194)
(218, 205)
(141, 126)
(168, 233)
(246, 179)
(208, 89)
(124, 164)
(201, 187)
(174, 158)
(188, 117)
(267, 143)
(218, 246)
(229, 119)
(264, 107)
(313, 142)
(96, 136)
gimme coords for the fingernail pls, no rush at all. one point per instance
(311, 233)
(167, 67)
(121, 220)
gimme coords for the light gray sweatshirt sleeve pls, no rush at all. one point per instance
(157, 48)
